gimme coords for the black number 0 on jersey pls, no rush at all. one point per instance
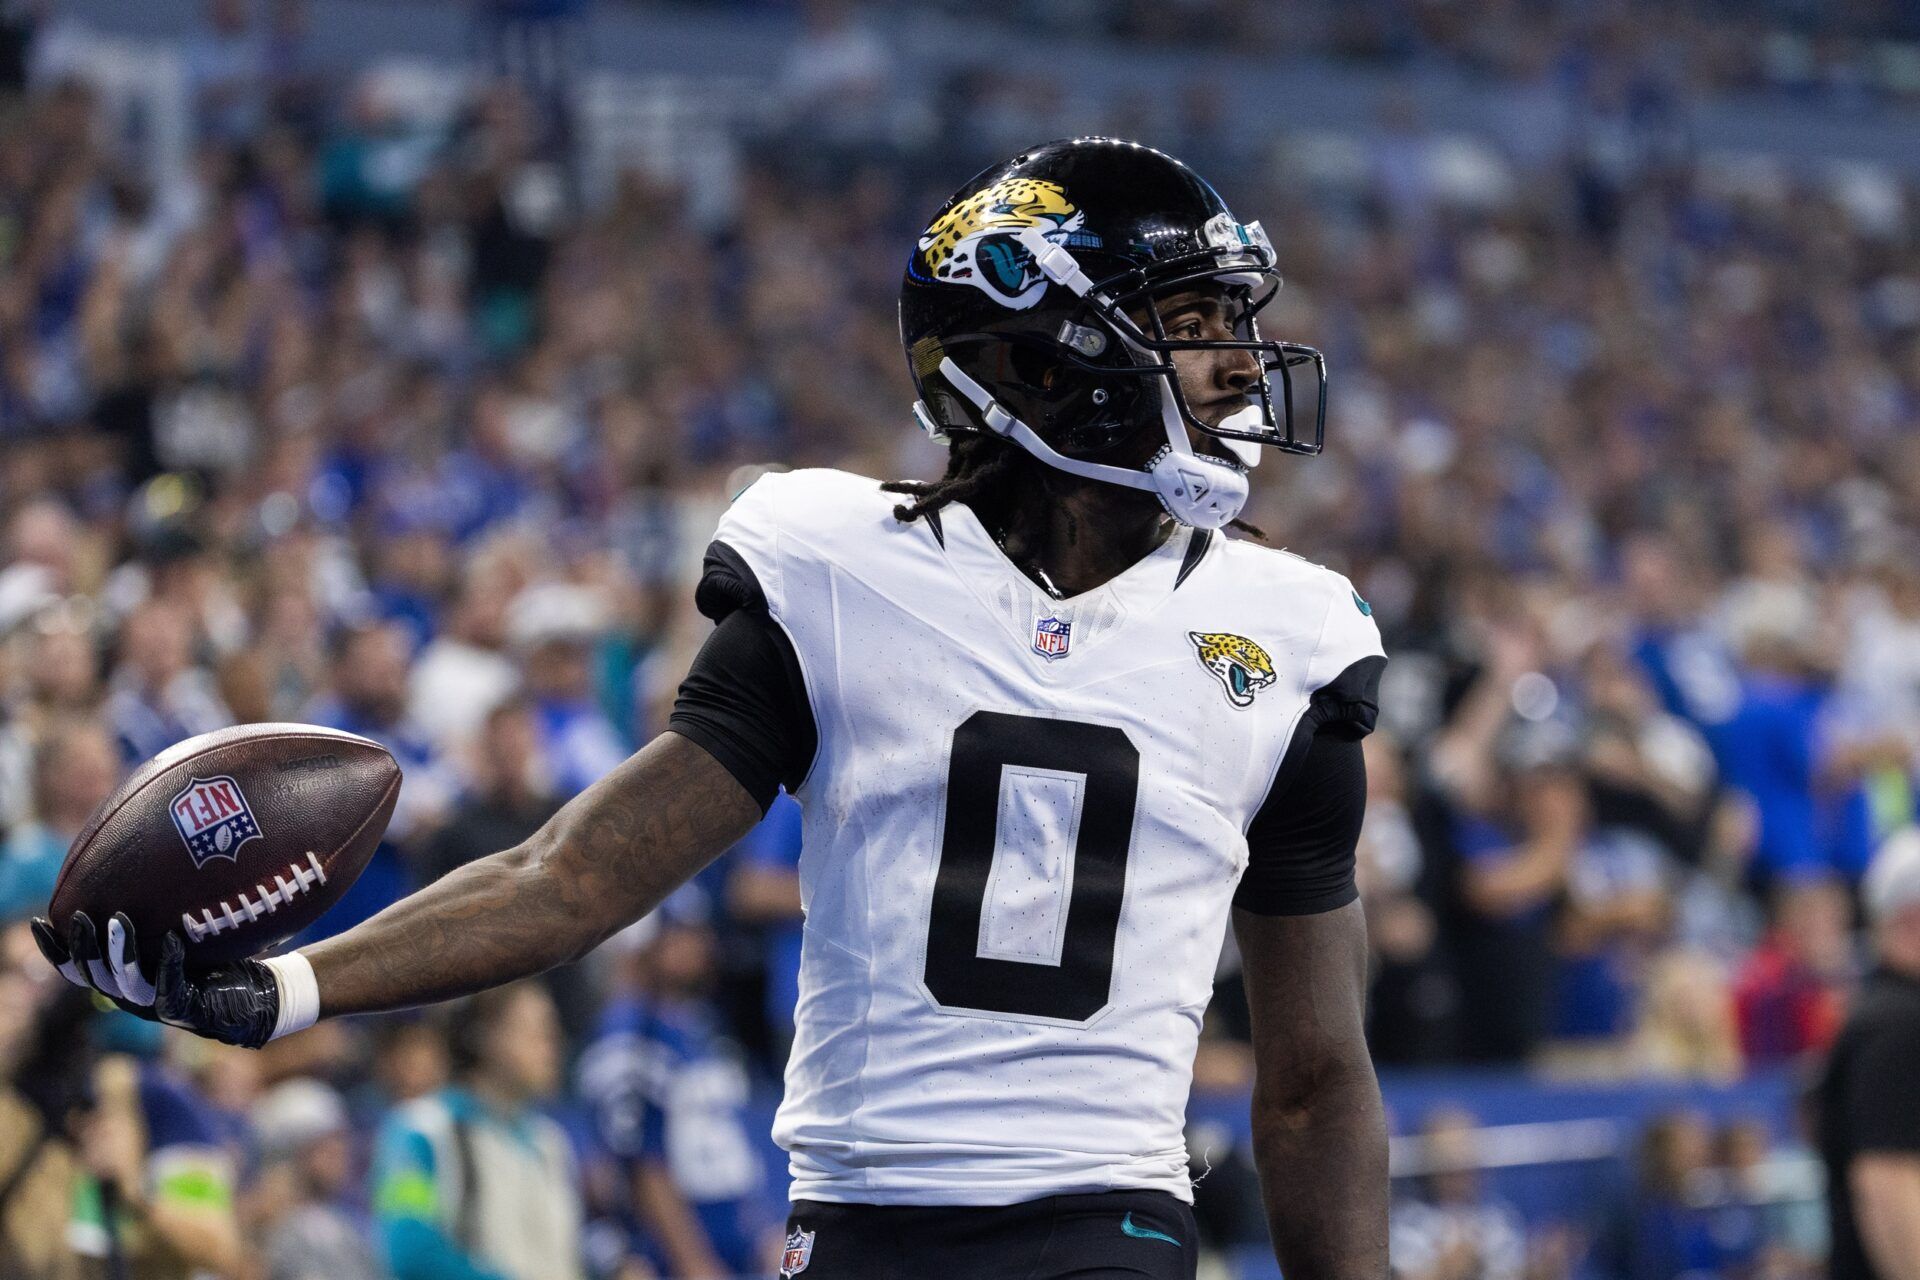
(1076, 988)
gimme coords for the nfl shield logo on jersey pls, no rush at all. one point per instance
(799, 1253)
(1051, 637)
(214, 819)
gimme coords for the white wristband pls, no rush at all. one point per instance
(299, 994)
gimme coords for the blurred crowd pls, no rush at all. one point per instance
(1851, 53)
(371, 420)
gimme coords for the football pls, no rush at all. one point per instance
(236, 839)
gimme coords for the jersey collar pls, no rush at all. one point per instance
(1017, 600)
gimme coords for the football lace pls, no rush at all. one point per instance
(212, 924)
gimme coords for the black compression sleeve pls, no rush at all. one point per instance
(1300, 846)
(744, 698)
(744, 701)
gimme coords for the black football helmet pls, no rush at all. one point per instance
(1015, 317)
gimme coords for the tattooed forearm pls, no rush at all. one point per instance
(1319, 1130)
(603, 861)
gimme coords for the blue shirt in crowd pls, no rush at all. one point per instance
(774, 845)
(667, 1088)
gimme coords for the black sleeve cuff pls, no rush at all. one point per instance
(1259, 902)
(749, 768)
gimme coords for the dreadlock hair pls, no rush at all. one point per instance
(980, 466)
(978, 463)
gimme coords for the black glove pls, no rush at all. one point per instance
(238, 1003)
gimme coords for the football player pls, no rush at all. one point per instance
(1051, 731)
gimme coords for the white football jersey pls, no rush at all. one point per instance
(1024, 824)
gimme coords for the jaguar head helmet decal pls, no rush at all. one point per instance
(973, 242)
(1241, 666)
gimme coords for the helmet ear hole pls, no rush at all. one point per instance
(1033, 366)
(1102, 411)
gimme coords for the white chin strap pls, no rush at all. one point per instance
(1200, 491)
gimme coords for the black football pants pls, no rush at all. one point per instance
(1112, 1235)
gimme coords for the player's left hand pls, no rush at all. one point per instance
(113, 971)
(236, 1003)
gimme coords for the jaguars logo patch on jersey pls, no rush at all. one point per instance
(973, 242)
(1241, 666)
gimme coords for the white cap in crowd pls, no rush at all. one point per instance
(550, 612)
(1893, 881)
(292, 1114)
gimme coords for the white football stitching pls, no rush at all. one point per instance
(211, 924)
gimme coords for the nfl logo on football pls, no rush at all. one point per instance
(1051, 637)
(799, 1253)
(214, 818)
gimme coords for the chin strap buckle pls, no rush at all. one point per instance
(935, 432)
